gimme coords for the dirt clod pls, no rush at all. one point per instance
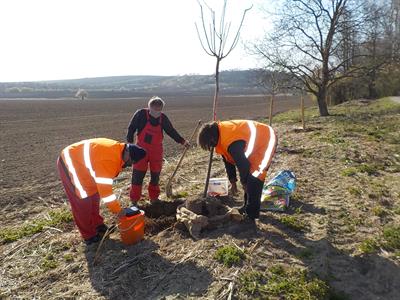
(208, 207)
(161, 208)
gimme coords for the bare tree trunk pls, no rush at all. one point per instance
(303, 123)
(208, 172)
(214, 119)
(216, 90)
(213, 44)
(321, 99)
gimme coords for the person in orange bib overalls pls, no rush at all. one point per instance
(247, 145)
(87, 170)
(150, 123)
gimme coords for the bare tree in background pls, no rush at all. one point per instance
(213, 39)
(393, 28)
(375, 47)
(214, 36)
(82, 94)
(304, 44)
(272, 83)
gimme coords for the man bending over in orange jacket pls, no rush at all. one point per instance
(87, 170)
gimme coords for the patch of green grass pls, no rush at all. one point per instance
(181, 194)
(379, 193)
(229, 255)
(298, 210)
(294, 222)
(377, 121)
(378, 134)
(284, 283)
(378, 211)
(295, 116)
(355, 191)
(296, 196)
(56, 218)
(349, 228)
(349, 171)
(370, 169)
(253, 283)
(333, 139)
(351, 223)
(396, 210)
(68, 257)
(391, 235)
(284, 144)
(362, 206)
(369, 246)
(48, 263)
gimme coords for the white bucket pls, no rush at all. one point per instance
(218, 187)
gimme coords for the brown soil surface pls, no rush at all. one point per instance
(33, 133)
(338, 212)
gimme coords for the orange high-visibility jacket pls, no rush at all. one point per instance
(260, 143)
(92, 165)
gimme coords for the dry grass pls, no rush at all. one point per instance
(348, 246)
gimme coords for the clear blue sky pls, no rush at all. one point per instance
(63, 39)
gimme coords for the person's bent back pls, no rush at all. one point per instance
(87, 169)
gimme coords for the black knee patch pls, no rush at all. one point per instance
(155, 178)
(137, 177)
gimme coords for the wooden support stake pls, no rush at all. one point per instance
(271, 108)
(303, 123)
(208, 172)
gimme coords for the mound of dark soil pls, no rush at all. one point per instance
(160, 215)
(209, 207)
(161, 208)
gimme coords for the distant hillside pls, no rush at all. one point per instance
(231, 82)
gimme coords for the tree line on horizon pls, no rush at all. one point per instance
(233, 81)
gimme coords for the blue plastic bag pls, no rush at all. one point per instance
(276, 192)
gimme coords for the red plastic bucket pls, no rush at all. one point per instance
(132, 228)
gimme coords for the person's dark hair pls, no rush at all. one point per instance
(208, 135)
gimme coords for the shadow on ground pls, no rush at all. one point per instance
(139, 272)
(356, 277)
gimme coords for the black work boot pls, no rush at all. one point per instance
(101, 229)
(93, 240)
(242, 209)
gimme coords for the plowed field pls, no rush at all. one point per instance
(33, 132)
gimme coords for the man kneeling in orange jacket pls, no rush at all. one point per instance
(87, 169)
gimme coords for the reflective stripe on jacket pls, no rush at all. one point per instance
(260, 143)
(92, 165)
